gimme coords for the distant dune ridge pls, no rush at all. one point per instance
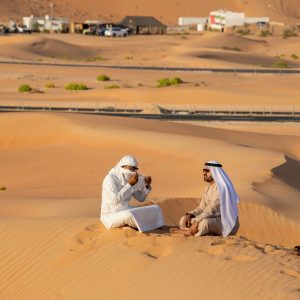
(167, 11)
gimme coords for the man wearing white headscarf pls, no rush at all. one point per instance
(218, 211)
(122, 183)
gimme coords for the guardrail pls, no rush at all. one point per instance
(172, 112)
(255, 71)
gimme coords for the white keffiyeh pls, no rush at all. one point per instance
(228, 195)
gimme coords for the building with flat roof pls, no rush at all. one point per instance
(46, 24)
(143, 25)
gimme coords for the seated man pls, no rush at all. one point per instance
(122, 183)
(218, 212)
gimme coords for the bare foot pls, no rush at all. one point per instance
(188, 233)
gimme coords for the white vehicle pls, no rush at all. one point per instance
(116, 32)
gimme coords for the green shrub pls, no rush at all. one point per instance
(76, 87)
(140, 84)
(291, 32)
(280, 64)
(50, 85)
(25, 88)
(95, 58)
(2, 188)
(265, 33)
(294, 56)
(176, 81)
(112, 86)
(103, 77)
(163, 82)
(244, 31)
(232, 48)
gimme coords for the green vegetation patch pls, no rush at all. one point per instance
(265, 33)
(103, 77)
(165, 82)
(237, 49)
(24, 88)
(290, 32)
(280, 64)
(176, 81)
(294, 56)
(50, 85)
(112, 86)
(76, 87)
(244, 31)
(95, 58)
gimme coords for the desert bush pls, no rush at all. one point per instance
(280, 64)
(290, 32)
(76, 87)
(95, 58)
(2, 188)
(164, 82)
(244, 31)
(294, 56)
(50, 85)
(176, 81)
(112, 86)
(25, 88)
(237, 49)
(265, 33)
(103, 77)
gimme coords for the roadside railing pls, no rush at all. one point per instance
(173, 111)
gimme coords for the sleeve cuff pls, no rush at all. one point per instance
(129, 187)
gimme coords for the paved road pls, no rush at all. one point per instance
(149, 68)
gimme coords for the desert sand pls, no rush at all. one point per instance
(55, 247)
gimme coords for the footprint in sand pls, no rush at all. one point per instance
(219, 247)
(153, 247)
(291, 272)
(273, 250)
(241, 258)
(86, 239)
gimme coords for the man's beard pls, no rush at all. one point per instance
(208, 178)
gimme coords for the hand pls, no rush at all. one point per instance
(194, 227)
(133, 179)
(187, 221)
(148, 180)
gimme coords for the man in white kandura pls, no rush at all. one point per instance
(218, 212)
(122, 183)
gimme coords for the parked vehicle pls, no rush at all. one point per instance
(101, 31)
(91, 30)
(4, 29)
(116, 32)
(23, 29)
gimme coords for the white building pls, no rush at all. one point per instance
(221, 18)
(187, 21)
(46, 23)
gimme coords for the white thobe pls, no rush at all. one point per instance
(115, 209)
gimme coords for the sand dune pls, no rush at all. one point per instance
(65, 144)
(36, 46)
(85, 261)
(54, 246)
